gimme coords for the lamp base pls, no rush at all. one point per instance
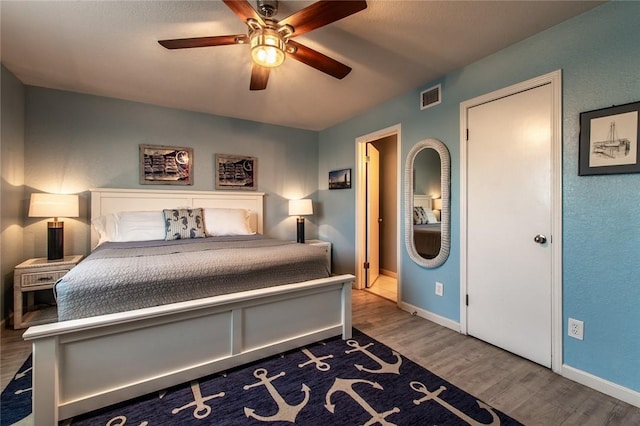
(300, 233)
(55, 240)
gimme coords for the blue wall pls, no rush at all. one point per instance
(599, 54)
(12, 187)
(75, 142)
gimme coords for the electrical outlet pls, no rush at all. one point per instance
(576, 329)
(439, 289)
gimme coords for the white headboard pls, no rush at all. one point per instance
(425, 201)
(108, 200)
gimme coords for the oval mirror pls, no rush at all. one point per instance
(426, 203)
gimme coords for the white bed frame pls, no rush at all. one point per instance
(425, 201)
(81, 365)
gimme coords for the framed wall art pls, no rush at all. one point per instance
(340, 179)
(236, 172)
(166, 165)
(609, 140)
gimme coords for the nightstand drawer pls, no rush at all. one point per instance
(42, 278)
(35, 277)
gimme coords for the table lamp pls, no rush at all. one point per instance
(437, 205)
(300, 208)
(54, 205)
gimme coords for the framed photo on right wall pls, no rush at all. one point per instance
(609, 140)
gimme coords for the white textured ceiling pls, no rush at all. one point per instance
(109, 48)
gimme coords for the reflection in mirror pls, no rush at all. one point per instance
(426, 189)
(427, 173)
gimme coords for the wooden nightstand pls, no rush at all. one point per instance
(327, 248)
(33, 275)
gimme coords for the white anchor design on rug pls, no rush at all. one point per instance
(20, 375)
(201, 410)
(318, 361)
(385, 367)
(351, 395)
(346, 386)
(286, 412)
(435, 396)
(121, 421)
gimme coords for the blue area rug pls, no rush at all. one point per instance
(15, 401)
(359, 381)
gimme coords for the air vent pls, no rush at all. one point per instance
(430, 97)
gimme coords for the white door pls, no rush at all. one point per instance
(373, 214)
(508, 219)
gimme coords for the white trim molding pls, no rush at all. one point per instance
(423, 313)
(361, 196)
(601, 385)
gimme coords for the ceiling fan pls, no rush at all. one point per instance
(270, 39)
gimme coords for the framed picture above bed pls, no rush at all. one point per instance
(609, 140)
(236, 172)
(166, 165)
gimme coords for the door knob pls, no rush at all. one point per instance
(540, 239)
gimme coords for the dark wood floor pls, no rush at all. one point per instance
(13, 352)
(524, 390)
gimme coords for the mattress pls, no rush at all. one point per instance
(118, 277)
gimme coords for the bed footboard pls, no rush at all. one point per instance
(85, 364)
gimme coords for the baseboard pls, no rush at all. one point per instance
(627, 395)
(422, 313)
(389, 273)
(601, 385)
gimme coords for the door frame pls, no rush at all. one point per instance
(555, 80)
(361, 199)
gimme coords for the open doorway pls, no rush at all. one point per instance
(378, 213)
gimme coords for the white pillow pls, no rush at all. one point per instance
(431, 217)
(219, 222)
(130, 226)
(100, 224)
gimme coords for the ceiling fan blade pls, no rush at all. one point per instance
(259, 77)
(243, 10)
(320, 14)
(318, 61)
(185, 43)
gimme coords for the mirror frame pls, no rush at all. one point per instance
(445, 185)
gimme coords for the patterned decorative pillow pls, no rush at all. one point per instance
(431, 217)
(183, 223)
(419, 216)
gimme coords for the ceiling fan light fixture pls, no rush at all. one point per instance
(269, 38)
(267, 47)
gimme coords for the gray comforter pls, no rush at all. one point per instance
(118, 277)
(427, 239)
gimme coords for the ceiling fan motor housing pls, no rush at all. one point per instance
(267, 8)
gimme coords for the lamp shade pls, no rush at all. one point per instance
(53, 205)
(302, 207)
(437, 204)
